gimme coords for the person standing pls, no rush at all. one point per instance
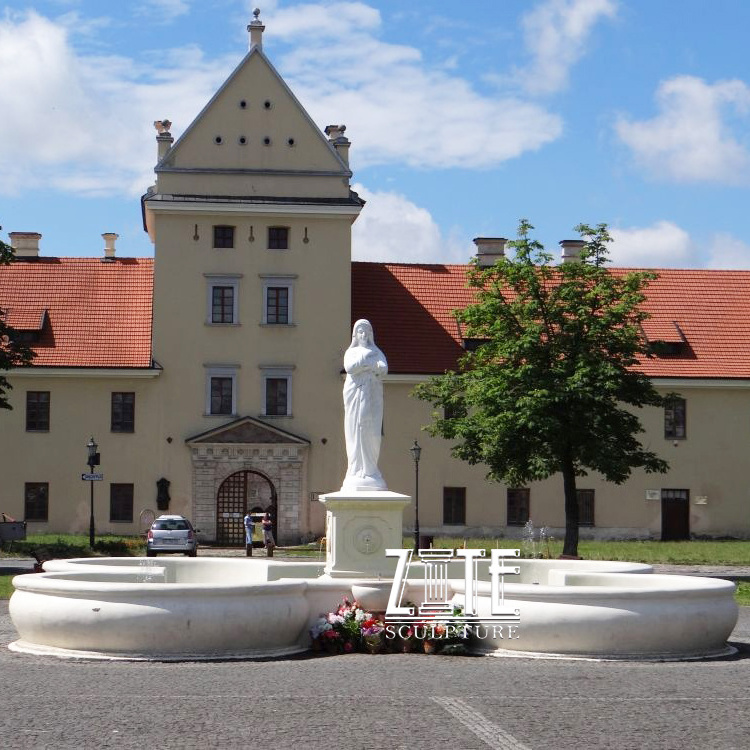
(268, 540)
(249, 529)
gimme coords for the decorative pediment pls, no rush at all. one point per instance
(248, 431)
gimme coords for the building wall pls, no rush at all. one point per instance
(80, 407)
(709, 463)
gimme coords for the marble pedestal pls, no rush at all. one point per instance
(360, 526)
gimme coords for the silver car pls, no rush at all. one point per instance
(171, 534)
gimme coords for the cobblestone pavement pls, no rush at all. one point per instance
(375, 702)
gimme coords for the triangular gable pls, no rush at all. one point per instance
(248, 431)
(254, 104)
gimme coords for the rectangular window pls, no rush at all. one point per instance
(277, 305)
(222, 304)
(37, 411)
(278, 238)
(221, 395)
(518, 506)
(277, 397)
(675, 420)
(223, 236)
(123, 412)
(121, 502)
(36, 501)
(454, 506)
(585, 507)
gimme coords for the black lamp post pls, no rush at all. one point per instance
(93, 462)
(416, 452)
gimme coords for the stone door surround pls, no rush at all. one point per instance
(252, 445)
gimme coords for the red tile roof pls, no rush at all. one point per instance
(98, 313)
(410, 309)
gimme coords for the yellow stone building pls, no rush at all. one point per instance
(218, 365)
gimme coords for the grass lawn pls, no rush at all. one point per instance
(49, 546)
(6, 587)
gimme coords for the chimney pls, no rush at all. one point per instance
(571, 250)
(109, 245)
(164, 138)
(25, 244)
(256, 29)
(489, 250)
(339, 141)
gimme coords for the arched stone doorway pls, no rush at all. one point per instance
(267, 453)
(239, 492)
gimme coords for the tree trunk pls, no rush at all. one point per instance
(570, 548)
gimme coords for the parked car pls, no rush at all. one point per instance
(171, 534)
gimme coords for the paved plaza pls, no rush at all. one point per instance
(375, 702)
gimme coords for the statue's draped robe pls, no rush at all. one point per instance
(363, 415)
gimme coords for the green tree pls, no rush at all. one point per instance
(551, 387)
(12, 352)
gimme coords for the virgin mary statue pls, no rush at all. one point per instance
(365, 367)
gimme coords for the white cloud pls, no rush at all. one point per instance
(666, 245)
(726, 251)
(662, 245)
(393, 229)
(162, 11)
(556, 34)
(83, 124)
(318, 22)
(397, 108)
(690, 139)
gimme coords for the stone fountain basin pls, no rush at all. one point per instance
(218, 608)
(612, 615)
(588, 609)
(179, 608)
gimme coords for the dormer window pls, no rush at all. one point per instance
(26, 324)
(223, 236)
(278, 238)
(665, 338)
(471, 345)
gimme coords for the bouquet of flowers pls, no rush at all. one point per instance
(348, 629)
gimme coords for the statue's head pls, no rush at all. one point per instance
(362, 333)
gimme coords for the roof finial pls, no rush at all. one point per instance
(256, 27)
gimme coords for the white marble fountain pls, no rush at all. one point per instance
(223, 608)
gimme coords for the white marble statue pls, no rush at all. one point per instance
(365, 367)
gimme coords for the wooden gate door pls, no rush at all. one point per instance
(230, 510)
(675, 515)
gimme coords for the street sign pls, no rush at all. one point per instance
(92, 477)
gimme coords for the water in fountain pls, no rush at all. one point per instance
(147, 572)
(544, 542)
(529, 542)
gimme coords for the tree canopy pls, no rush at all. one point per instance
(552, 384)
(13, 353)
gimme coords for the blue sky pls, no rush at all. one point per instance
(463, 118)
